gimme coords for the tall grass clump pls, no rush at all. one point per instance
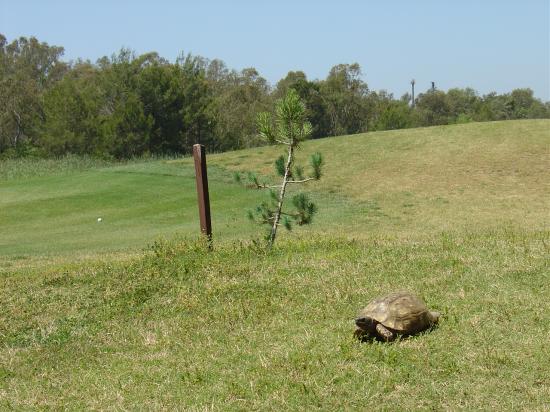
(26, 167)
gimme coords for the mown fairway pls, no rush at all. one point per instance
(459, 214)
(56, 215)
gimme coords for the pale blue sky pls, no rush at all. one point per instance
(489, 45)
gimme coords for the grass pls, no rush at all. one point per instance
(417, 181)
(94, 318)
(32, 167)
(233, 330)
(57, 215)
(430, 179)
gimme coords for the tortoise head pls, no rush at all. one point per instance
(434, 317)
(366, 323)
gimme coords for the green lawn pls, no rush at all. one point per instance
(93, 318)
(58, 215)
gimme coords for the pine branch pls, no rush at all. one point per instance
(301, 181)
(282, 142)
(264, 186)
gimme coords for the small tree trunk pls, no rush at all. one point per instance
(281, 197)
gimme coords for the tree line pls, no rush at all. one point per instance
(131, 105)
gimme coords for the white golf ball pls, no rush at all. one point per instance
(99, 219)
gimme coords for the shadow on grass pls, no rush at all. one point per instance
(365, 337)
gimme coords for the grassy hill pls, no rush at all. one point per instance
(431, 179)
(407, 182)
(458, 214)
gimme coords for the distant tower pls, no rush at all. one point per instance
(433, 86)
(412, 85)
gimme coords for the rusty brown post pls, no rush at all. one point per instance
(199, 154)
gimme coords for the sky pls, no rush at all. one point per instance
(488, 45)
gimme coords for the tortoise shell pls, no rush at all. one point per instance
(402, 312)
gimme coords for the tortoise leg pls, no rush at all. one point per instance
(384, 333)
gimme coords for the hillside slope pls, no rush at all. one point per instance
(431, 179)
(407, 182)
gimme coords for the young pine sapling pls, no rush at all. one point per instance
(290, 127)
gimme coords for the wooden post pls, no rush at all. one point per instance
(199, 154)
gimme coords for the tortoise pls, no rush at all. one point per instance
(399, 313)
